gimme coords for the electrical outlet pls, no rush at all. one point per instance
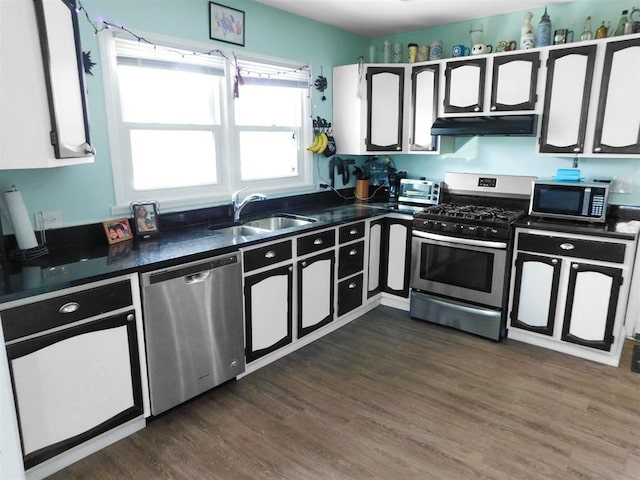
(47, 220)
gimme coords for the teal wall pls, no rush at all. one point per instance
(84, 193)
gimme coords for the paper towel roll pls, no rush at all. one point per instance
(22, 227)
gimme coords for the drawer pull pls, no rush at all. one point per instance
(554, 261)
(69, 307)
(567, 246)
(352, 285)
(353, 252)
(318, 241)
(353, 231)
(270, 254)
(130, 317)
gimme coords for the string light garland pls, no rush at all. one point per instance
(101, 24)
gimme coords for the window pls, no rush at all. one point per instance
(179, 136)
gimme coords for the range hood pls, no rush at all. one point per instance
(499, 125)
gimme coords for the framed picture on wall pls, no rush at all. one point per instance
(226, 24)
(117, 230)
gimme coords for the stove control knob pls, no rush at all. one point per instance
(473, 230)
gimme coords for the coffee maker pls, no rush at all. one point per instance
(394, 178)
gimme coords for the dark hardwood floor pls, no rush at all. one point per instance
(387, 397)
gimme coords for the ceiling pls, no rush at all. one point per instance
(374, 18)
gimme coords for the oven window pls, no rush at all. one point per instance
(458, 267)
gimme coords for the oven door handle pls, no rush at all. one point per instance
(459, 241)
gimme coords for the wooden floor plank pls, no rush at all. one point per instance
(388, 397)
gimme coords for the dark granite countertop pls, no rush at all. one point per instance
(78, 265)
(626, 229)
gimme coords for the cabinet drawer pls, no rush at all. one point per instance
(350, 294)
(315, 242)
(572, 247)
(351, 232)
(350, 259)
(51, 313)
(265, 256)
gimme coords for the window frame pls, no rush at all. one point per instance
(227, 150)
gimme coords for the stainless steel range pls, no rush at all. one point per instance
(460, 250)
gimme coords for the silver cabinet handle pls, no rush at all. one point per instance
(352, 285)
(574, 266)
(270, 254)
(567, 246)
(353, 231)
(577, 149)
(304, 264)
(69, 307)
(318, 241)
(290, 268)
(554, 261)
(130, 317)
(353, 252)
(493, 107)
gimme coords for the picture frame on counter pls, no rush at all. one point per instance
(226, 24)
(145, 218)
(117, 230)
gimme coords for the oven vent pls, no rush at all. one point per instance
(499, 125)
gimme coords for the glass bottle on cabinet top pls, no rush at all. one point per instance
(587, 32)
(622, 23)
(544, 30)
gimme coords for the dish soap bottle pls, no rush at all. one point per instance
(527, 40)
(544, 30)
(587, 33)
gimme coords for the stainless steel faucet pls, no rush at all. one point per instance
(238, 205)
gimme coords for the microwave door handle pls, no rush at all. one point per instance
(585, 201)
(459, 241)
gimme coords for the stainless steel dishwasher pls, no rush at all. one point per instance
(193, 328)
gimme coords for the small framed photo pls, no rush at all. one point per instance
(145, 218)
(226, 24)
(117, 230)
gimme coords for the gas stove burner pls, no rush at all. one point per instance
(472, 212)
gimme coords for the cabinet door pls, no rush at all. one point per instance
(424, 107)
(398, 257)
(568, 87)
(74, 384)
(350, 294)
(315, 292)
(350, 259)
(618, 119)
(514, 82)
(385, 98)
(464, 86)
(268, 317)
(374, 279)
(592, 300)
(535, 293)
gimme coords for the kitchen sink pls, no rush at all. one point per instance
(272, 223)
(279, 221)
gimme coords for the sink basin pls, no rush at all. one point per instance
(279, 221)
(241, 231)
(265, 225)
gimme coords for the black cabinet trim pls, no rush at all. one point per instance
(250, 353)
(371, 71)
(534, 59)
(415, 71)
(478, 62)
(598, 146)
(302, 264)
(381, 256)
(555, 263)
(590, 52)
(608, 338)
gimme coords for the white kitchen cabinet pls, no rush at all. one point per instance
(268, 298)
(566, 102)
(77, 369)
(569, 293)
(465, 85)
(617, 125)
(385, 108)
(316, 280)
(43, 115)
(389, 256)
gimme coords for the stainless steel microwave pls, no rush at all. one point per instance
(582, 201)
